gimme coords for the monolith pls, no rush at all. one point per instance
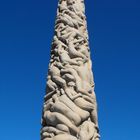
(70, 108)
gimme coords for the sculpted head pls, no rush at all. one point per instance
(55, 38)
(71, 84)
(60, 51)
(52, 107)
(70, 2)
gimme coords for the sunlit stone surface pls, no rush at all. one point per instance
(70, 110)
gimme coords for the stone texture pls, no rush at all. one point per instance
(70, 109)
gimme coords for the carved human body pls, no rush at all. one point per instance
(70, 109)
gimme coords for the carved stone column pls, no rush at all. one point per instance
(70, 110)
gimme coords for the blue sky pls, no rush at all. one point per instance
(26, 31)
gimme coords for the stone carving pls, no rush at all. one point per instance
(70, 109)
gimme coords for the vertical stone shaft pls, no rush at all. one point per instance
(70, 110)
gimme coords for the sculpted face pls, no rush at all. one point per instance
(71, 84)
(70, 2)
(51, 107)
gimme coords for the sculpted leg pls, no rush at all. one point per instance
(72, 50)
(94, 117)
(87, 98)
(82, 113)
(54, 118)
(63, 109)
(87, 131)
(77, 80)
(63, 128)
(51, 129)
(51, 85)
(59, 81)
(82, 103)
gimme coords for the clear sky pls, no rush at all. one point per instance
(26, 31)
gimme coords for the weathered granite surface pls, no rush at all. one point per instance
(70, 109)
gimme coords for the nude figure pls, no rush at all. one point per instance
(82, 48)
(56, 77)
(78, 80)
(60, 107)
(58, 64)
(67, 20)
(74, 16)
(51, 86)
(47, 104)
(45, 131)
(70, 88)
(58, 43)
(50, 94)
(63, 127)
(62, 6)
(94, 117)
(77, 21)
(59, 27)
(86, 90)
(87, 78)
(73, 6)
(77, 98)
(46, 135)
(68, 77)
(74, 53)
(70, 34)
(64, 99)
(65, 58)
(87, 131)
(78, 42)
(54, 118)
